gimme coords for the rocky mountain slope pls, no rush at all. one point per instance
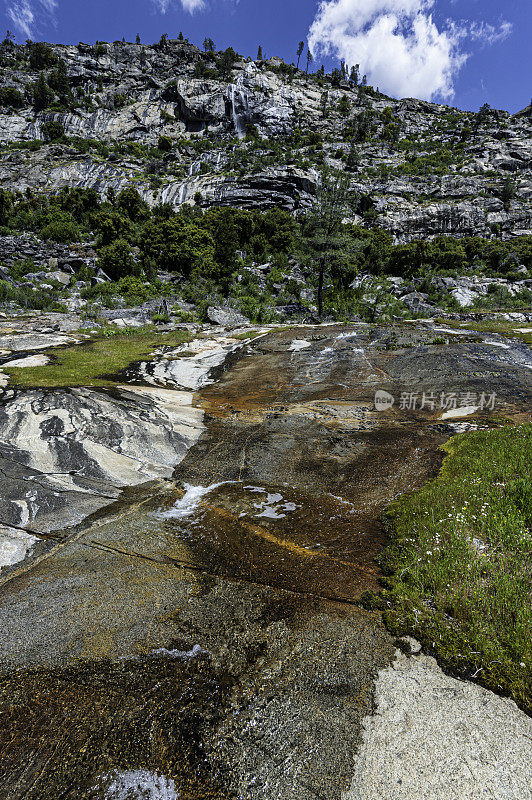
(254, 135)
(191, 534)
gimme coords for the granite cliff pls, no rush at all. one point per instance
(253, 135)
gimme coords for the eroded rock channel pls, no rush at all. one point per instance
(196, 634)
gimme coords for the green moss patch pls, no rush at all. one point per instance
(459, 562)
(513, 330)
(247, 335)
(95, 362)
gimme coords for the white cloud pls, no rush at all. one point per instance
(26, 16)
(188, 5)
(489, 34)
(22, 16)
(397, 43)
(193, 5)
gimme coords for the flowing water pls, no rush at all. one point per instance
(203, 639)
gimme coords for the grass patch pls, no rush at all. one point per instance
(86, 364)
(509, 329)
(459, 561)
(247, 335)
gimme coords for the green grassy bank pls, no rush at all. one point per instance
(459, 562)
(96, 361)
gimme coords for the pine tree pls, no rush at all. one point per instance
(353, 157)
(300, 48)
(42, 94)
(323, 103)
(310, 59)
(59, 82)
(327, 241)
(137, 39)
(208, 45)
(260, 57)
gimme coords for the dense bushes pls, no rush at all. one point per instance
(376, 253)
(52, 130)
(11, 97)
(178, 245)
(60, 227)
(210, 247)
(41, 56)
(117, 261)
(42, 299)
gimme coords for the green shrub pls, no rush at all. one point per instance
(344, 106)
(61, 227)
(136, 291)
(130, 201)
(117, 261)
(110, 224)
(52, 131)
(178, 245)
(59, 82)
(40, 94)
(25, 297)
(164, 144)
(21, 268)
(41, 56)
(11, 97)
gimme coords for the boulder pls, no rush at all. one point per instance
(227, 317)
(60, 277)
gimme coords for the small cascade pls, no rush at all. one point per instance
(194, 168)
(238, 94)
(182, 196)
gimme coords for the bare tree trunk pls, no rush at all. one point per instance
(320, 287)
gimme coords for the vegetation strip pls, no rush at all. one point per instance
(84, 364)
(458, 562)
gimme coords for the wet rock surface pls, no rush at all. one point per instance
(201, 634)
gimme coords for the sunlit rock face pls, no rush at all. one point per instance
(141, 92)
(73, 450)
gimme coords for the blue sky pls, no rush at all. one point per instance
(464, 52)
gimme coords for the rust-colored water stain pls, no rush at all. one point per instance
(284, 538)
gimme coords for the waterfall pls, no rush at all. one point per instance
(195, 167)
(237, 122)
(182, 196)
